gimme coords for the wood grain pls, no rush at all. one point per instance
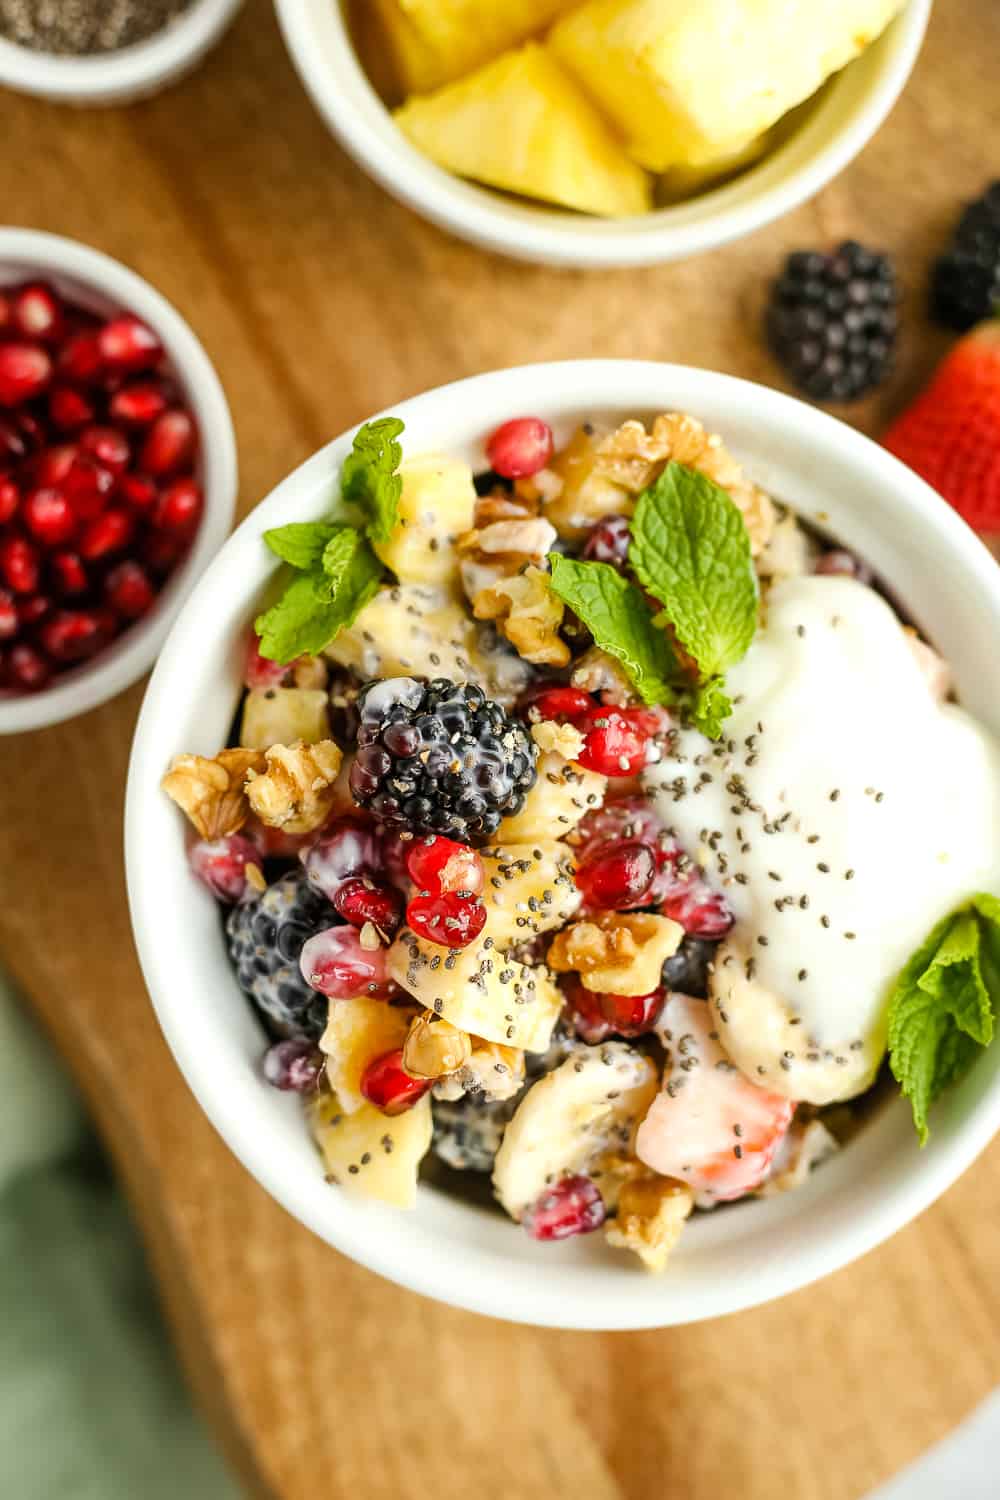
(320, 300)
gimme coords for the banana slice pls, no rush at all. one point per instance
(357, 1032)
(561, 795)
(529, 889)
(580, 1118)
(369, 1154)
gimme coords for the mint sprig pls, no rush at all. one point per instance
(944, 1003)
(369, 479)
(616, 615)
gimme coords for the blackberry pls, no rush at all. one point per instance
(965, 282)
(468, 1131)
(833, 319)
(266, 937)
(440, 757)
(687, 969)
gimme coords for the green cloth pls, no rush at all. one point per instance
(91, 1404)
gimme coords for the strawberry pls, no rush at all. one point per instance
(951, 433)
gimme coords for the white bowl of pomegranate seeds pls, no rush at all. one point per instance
(117, 475)
(453, 1245)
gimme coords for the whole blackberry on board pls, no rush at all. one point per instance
(440, 757)
(833, 319)
(266, 937)
(965, 283)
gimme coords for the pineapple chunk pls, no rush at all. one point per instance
(358, 1031)
(523, 125)
(431, 42)
(584, 495)
(280, 716)
(436, 505)
(684, 181)
(478, 989)
(529, 889)
(369, 1154)
(558, 800)
(686, 81)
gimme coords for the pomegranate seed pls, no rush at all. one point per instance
(360, 900)
(222, 863)
(170, 444)
(618, 876)
(295, 1065)
(24, 373)
(572, 1206)
(258, 671)
(138, 405)
(73, 634)
(32, 431)
(12, 443)
(347, 848)
(562, 703)
(126, 344)
(438, 865)
(10, 498)
(32, 609)
(178, 509)
(520, 447)
(386, 1084)
(69, 409)
(19, 564)
(107, 533)
(701, 911)
(451, 920)
(36, 312)
(80, 359)
(596, 1016)
(5, 312)
(27, 668)
(87, 486)
(9, 623)
(108, 446)
(614, 746)
(52, 466)
(49, 516)
(337, 964)
(608, 542)
(69, 576)
(160, 553)
(128, 590)
(137, 492)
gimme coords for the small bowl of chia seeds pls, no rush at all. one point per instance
(105, 51)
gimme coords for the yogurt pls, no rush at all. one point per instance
(845, 812)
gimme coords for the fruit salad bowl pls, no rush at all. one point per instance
(815, 146)
(461, 1251)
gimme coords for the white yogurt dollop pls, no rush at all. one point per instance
(845, 812)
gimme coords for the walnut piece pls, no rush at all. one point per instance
(434, 1048)
(502, 506)
(597, 672)
(651, 1215)
(528, 614)
(295, 791)
(564, 739)
(620, 953)
(212, 791)
(501, 550)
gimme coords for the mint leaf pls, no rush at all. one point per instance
(616, 615)
(368, 477)
(301, 543)
(318, 604)
(353, 574)
(707, 706)
(691, 550)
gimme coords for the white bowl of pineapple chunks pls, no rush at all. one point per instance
(603, 132)
(433, 1236)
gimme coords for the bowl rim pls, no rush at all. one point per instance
(535, 233)
(113, 670)
(482, 1286)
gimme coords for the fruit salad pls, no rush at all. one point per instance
(555, 838)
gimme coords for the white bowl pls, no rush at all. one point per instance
(118, 77)
(449, 1249)
(105, 286)
(842, 121)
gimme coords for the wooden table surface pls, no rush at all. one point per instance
(321, 300)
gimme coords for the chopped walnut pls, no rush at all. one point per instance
(620, 953)
(597, 672)
(501, 505)
(565, 739)
(295, 790)
(529, 614)
(502, 550)
(212, 792)
(651, 1215)
(493, 1070)
(434, 1048)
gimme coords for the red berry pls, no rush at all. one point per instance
(49, 516)
(19, 564)
(360, 900)
(25, 371)
(259, 671)
(608, 542)
(69, 409)
(520, 447)
(437, 865)
(170, 444)
(10, 498)
(572, 1206)
(138, 405)
(562, 703)
(108, 447)
(451, 920)
(32, 608)
(69, 576)
(106, 534)
(87, 486)
(73, 634)
(222, 864)
(618, 876)
(27, 668)
(13, 446)
(596, 1016)
(52, 466)
(31, 429)
(126, 344)
(700, 910)
(36, 312)
(80, 359)
(137, 492)
(160, 553)
(386, 1084)
(178, 509)
(9, 622)
(337, 963)
(614, 746)
(128, 590)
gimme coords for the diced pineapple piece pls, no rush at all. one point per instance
(560, 797)
(436, 505)
(279, 716)
(529, 889)
(358, 1031)
(523, 125)
(579, 493)
(684, 181)
(432, 42)
(688, 80)
(478, 989)
(369, 1154)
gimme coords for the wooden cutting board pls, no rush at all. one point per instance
(321, 300)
